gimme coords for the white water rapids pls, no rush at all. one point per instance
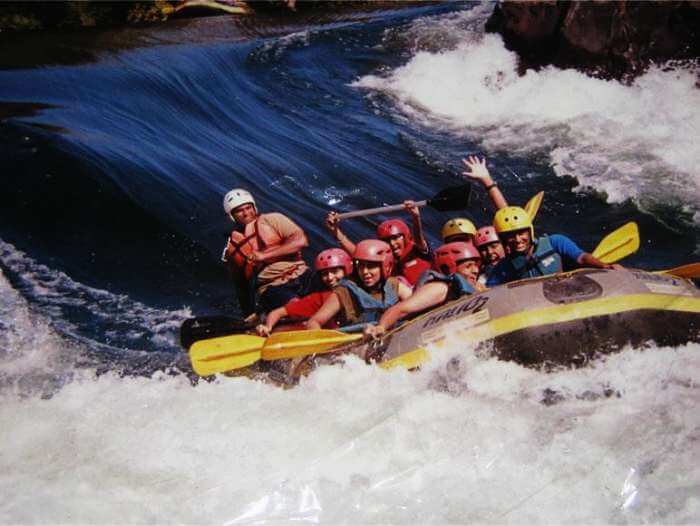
(635, 142)
(465, 442)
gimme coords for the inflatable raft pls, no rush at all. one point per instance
(561, 320)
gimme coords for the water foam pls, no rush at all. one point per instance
(638, 141)
(35, 359)
(358, 444)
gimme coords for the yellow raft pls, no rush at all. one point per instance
(565, 319)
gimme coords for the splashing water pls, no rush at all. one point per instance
(638, 141)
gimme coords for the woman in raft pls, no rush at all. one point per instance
(332, 265)
(457, 265)
(376, 290)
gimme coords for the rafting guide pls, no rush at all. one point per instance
(264, 254)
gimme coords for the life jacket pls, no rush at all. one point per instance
(458, 285)
(413, 266)
(255, 236)
(359, 306)
(543, 261)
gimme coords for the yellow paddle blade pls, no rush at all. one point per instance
(619, 244)
(217, 355)
(303, 343)
(533, 205)
(689, 271)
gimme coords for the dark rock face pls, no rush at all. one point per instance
(611, 39)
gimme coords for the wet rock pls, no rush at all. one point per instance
(610, 39)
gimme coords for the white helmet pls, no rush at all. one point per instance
(236, 198)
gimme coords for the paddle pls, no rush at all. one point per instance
(533, 205)
(689, 271)
(226, 353)
(455, 198)
(204, 327)
(618, 244)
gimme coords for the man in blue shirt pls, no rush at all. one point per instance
(529, 257)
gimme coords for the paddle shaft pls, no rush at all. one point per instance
(381, 209)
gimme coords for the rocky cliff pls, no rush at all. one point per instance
(610, 39)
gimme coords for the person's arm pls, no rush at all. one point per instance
(568, 249)
(291, 245)
(294, 239)
(418, 235)
(264, 329)
(478, 172)
(404, 290)
(323, 315)
(588, 260)
(427, 296)
(333, 224)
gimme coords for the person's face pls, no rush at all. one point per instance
(369, 272)
(397, 244)
(518, 241)
(469, 268)
(465, 238)
(244, 214)
(492, 253)
(331, 276)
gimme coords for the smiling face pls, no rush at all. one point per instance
(397, 244)
(517, 241)
(331, 276)
(469, 268)
(492, 253)
(244, 214)
(370, 273)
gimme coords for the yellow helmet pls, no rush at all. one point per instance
(457, 226)
(512, 218)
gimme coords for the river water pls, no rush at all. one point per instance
(117, 147)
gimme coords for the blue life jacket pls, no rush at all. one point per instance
(371, 309)
(543, 261)
(486, 269)
(458, 285)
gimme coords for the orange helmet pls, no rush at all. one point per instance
(448, 257)
(375, 251)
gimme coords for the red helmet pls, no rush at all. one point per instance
(395, 227)
(376, 251)
(485, 235)
(334, 258)
(449, 256)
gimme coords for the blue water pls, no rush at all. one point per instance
(116, 160)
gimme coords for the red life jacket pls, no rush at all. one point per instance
(256, 236)
(412, 266)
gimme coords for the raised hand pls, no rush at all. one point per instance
(477, 170)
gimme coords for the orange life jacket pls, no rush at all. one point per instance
(256, 236)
